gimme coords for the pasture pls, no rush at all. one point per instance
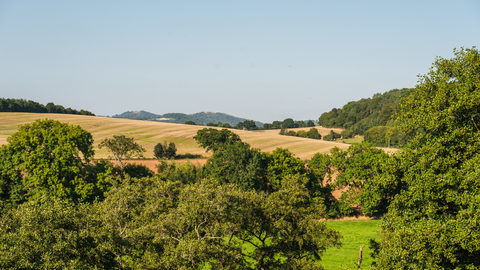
(355, 233)
(148, 134)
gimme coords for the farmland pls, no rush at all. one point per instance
(148, 134)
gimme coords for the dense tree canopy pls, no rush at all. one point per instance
(47, 157)
(212, 139)
(433, 223)
(359, 116)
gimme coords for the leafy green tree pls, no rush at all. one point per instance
(53, 234)
(281, 162)
(165, 150)
(332, 136)
(47, 157)
(122, 148)
(291, 133)
(158, 150)
(288, 123)
(356, 170)
(131, 216)
(189, 122)
(282, 230)
(310, 123)
(249, 124)
(212, 139)
(238, 164)
(386, 136)
(313, 134)
(302, 133)
(171, 150)
(346, 134)
(432, 223)
(184, 172)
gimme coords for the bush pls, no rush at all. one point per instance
(332, 136)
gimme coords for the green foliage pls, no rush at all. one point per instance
(313, 134)
(356, 234)
(238, 164)
(386, 136)
(281, 162)
(21, 105)
(131, 217)
(137, 115)
(247, 124)
(47, 157)
(212, 225)
(165, 151)
(133, 170)
(122, 148)
(363, 172)
(359, 116)
(189, 122)
(52, 234)
(184, 172)
(212, 139)
(433, 223)
(346, 134)
(332, 136)
(288, 123)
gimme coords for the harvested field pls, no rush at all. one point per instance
(148, 134)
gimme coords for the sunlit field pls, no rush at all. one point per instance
(148, 134)
(355, 233)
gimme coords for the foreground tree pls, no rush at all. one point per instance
(52, 234)
(123, 148)
(238, 164)
(47, 157)
(213, 224)
(433, 223)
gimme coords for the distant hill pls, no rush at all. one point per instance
(201, 118)
(137, 115)
(360, 116)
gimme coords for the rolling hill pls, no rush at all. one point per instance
(201, 118)
(149, 133)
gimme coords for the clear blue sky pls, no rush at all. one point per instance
(261, 60)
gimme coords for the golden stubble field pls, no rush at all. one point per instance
(148, 134)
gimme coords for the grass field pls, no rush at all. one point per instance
(355, 233)
(148, 134)
(352, 141)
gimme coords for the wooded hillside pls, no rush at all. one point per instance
(360, 116)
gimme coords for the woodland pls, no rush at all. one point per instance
(245, 209)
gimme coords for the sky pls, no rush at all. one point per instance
(260, 60)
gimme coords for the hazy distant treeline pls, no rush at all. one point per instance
(22, 105)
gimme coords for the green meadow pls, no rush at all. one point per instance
(355, 233)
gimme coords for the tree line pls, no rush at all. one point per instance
(360, 116)
(22, 105)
